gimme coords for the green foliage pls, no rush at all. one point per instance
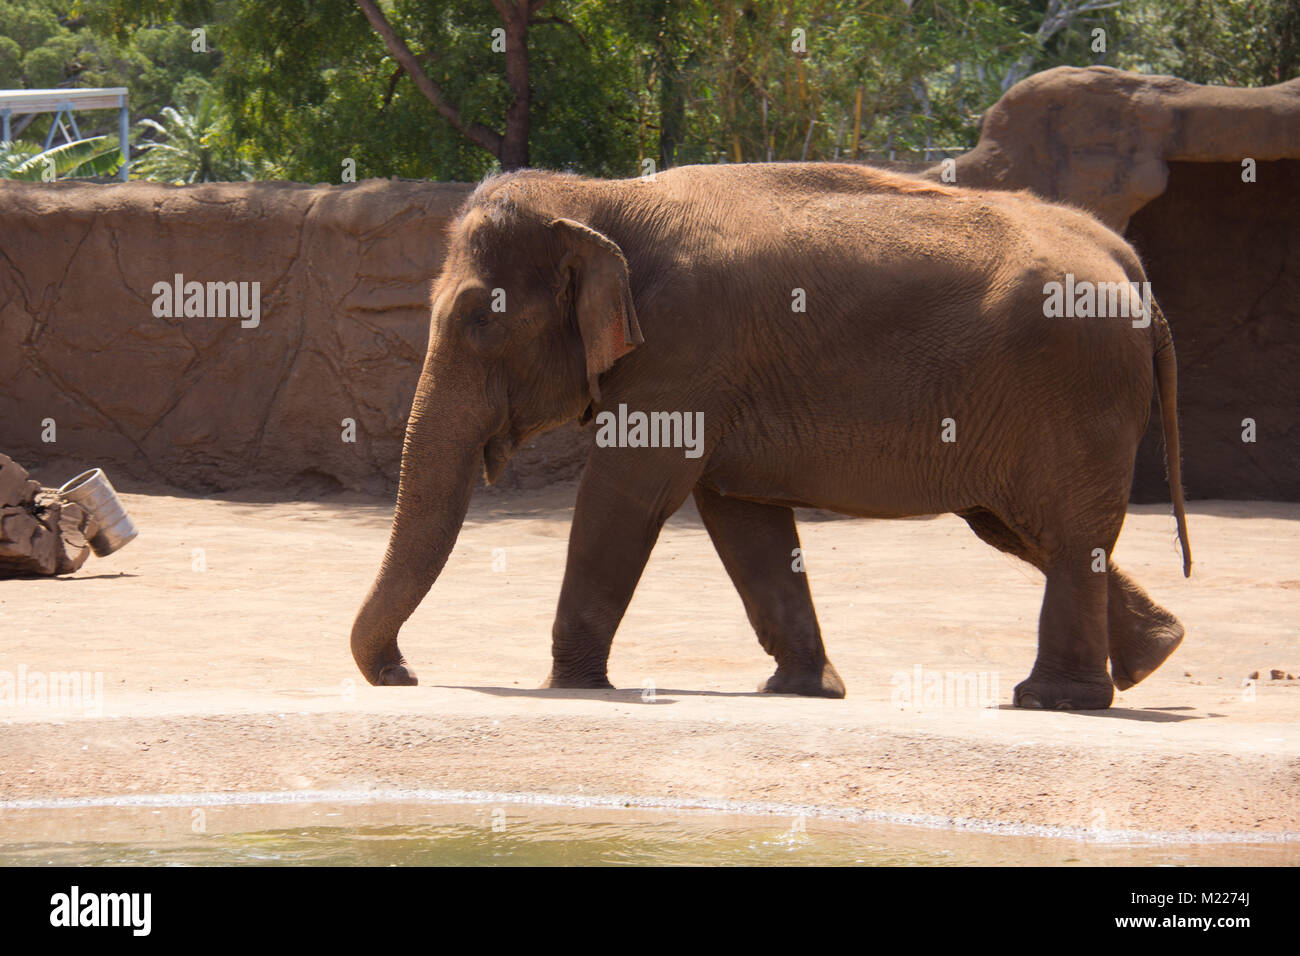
(315, 85)
(46, 44)
(193, 147)
(93, 156)
(781, 81)
(294, 87)
(1223, 42)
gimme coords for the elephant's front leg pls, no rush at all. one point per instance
(759, 545)
(625, 496)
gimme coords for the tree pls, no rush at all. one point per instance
(826, 79)
(1060, 16)
(511, 147)
(194, 147)
(46, 44)
(315, 84)
(454, 89)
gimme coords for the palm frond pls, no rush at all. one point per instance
(92, 156)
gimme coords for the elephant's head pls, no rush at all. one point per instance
(529, 311)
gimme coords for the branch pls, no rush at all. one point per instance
(392, 87)
(509, 9)
(1058, 16)
(538, 21)
(476, 133)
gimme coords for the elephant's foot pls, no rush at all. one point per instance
(1056, 693)
(1142, 634)
(397, 675)
(577, 682)
(808, 681)
(1135, 655)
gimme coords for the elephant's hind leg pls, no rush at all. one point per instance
(1142, 633)
(757, 543)
(993, 530)
(1070, 670)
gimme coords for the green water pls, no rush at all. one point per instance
(476, 835)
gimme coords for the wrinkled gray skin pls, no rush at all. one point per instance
(923, 303)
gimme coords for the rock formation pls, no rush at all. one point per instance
(38, 533)
(1161, 160)
(314, 397)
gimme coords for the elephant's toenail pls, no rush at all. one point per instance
(397, 675)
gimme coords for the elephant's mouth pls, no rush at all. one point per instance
(496, 453)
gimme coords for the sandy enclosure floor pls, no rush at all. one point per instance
(228, 670)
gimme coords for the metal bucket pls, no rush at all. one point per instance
(93, 491)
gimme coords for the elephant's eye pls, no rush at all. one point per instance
(483, 331)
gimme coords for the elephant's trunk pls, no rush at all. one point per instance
(451, 420)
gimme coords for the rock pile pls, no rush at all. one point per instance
(39, 534)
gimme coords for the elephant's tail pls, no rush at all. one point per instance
(1167, 388)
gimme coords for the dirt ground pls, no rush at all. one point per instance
(221, 635)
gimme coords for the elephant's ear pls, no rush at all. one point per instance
(595, 266)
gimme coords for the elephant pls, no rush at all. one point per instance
(856, 340)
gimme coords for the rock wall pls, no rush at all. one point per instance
(204, 403)
(1160, 159)
(1103, 139)
(1224, 258)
